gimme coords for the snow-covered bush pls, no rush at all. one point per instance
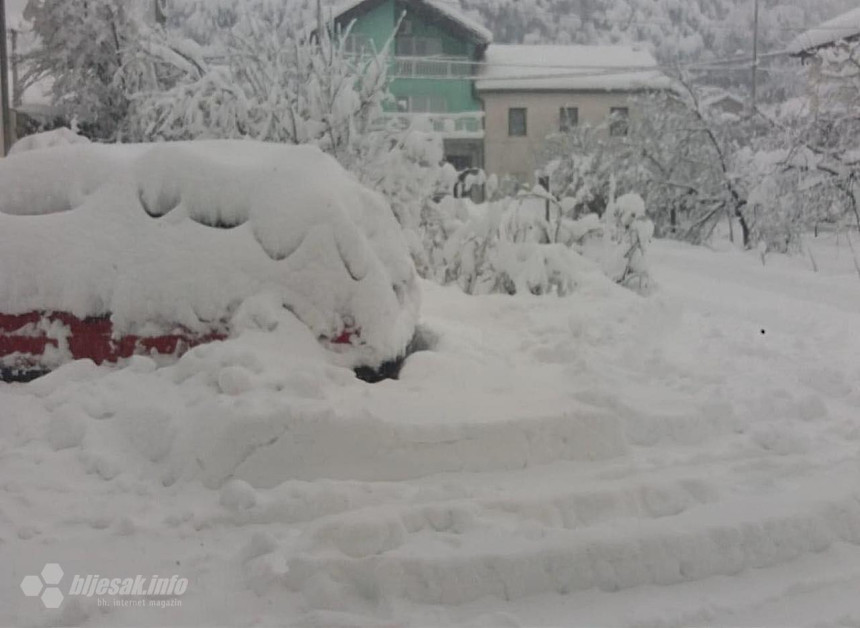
(404, 166)
(627, 232)
(583, 164)
(528, 244)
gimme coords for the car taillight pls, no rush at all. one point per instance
(346, 337)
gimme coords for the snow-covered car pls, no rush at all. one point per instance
(107, 251)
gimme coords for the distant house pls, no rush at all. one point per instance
(842, 28)
(530, 92)
(495, 104)
(435, 52)
(842, 31)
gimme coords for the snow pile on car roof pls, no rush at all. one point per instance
(167, 235)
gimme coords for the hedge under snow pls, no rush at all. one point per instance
(180, 234)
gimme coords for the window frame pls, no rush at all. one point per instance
(564, 118)
(525, 121)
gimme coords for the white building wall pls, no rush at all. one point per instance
(517, 156)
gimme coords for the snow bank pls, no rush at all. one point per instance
(160, 236)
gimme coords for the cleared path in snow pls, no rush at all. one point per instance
(600, 460)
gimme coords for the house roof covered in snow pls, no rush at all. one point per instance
(845, 26)
(444, 9)
(564, 68)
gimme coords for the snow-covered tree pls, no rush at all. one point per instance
(829, 138)
(82, 48)
(677, 155)
(97, 54)
(805, 170)
(272, 79)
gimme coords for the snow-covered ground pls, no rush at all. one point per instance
(686, 458)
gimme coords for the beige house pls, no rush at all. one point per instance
(843, 31)
(531, 92)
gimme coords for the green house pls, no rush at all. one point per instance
(434, 52)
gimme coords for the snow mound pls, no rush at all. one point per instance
(62, 136)
(170, 235)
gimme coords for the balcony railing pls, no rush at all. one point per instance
(442, 68)
(465, 125)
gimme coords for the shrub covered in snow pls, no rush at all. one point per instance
(530, 244)
(180, 235)
(627, 232)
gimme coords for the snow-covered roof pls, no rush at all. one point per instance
(453, 13)
(446, 8)
(549, 68)
(717, 96)
(841, 27)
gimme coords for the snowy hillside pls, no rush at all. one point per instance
(677, 31)
(687, 458)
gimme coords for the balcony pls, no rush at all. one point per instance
(468, 125)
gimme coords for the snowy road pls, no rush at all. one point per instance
(686, 458)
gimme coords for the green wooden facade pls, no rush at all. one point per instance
(431, 68)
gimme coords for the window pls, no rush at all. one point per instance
(517, 122)
(568, 119)
(619, 121)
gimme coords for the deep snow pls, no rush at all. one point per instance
(690, 457)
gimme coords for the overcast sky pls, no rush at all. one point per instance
(14, 9)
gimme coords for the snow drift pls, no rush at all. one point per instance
(179, 235)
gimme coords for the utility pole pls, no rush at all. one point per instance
(4, 83)
(755, 61)
(16, 79)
